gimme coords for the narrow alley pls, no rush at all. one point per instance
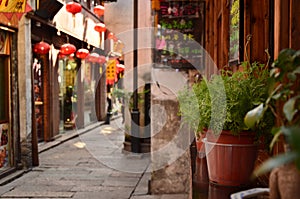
(73, 170)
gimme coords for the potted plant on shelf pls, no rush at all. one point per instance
(223, 102)
(284, 102)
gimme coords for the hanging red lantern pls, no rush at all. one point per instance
(41, 48)
(99, 10)
(96, 58)
(82, 53)
(67, 49)
(102, 59)
(73, 7)
(61, 56)
(100, 27)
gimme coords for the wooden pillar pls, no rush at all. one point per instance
(295, 24)
(225, 32)
(281, 26)
(256, 26)
(46, 98)
(80, 98)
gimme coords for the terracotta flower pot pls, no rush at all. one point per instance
(199, 144)
(230, 159)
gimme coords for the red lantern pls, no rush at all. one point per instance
(67, 49)
(73, 7)
(99, 10)
(102, 59)
(100, 27)
(82, 53)
(41, 48)
(96, 58)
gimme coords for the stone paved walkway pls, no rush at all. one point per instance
(87, 166)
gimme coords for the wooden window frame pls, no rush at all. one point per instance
(6, 90)
(240, 58)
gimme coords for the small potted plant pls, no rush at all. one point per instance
(284, 102)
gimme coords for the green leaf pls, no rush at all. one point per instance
(253, 116)
(289, 109)
(273, 72)
(292, 76)
(277, 96)
(276, 132)
(274, 162)
(297, 70)
(292, 136)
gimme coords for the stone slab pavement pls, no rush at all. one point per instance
(86, 164)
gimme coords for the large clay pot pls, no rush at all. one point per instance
(230, 159)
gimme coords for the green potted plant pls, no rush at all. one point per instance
(223, 102)
(284, 102)
(192, 112)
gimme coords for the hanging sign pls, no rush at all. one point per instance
(12, 5)
(11, 11)
(111, 71)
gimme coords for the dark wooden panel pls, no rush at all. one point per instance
(295, 25)
(48, 8)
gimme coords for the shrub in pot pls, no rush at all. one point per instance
(223, 102)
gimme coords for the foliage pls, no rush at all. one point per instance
(245, 90)
(224, 100)
(192, 109)
(284, 102)
(234, 28)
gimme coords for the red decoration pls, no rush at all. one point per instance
(110, 82)
(112, 36)
(67, 49)
(96, 58)
(73, 7)
(99, 10)
(120, 68)
(41, 48)
(82, 53)
(100, 27)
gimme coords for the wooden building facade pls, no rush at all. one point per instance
(261, 25)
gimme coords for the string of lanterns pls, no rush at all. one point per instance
(68, 49)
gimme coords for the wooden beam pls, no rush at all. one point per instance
(281, 26)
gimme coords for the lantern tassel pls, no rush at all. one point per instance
(73, 20)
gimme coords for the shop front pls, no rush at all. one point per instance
(8, 133)
(65, 83)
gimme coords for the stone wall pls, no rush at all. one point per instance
(170, 154)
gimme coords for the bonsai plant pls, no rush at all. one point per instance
(284, 102)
